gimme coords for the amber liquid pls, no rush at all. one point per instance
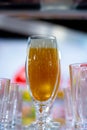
(43, 72)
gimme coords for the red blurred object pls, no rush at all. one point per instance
(83, 65)
(19, 77)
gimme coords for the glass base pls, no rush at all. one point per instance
(83, 125)
(47, 126)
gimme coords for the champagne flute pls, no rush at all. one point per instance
(42, 76)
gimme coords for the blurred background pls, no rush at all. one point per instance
(66, 19)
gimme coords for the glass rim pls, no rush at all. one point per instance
(80, 64)
(41, 36)
(14, 83)
(5, 79)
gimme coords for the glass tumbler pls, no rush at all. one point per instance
(15, 101)
(4, 96)
(78, 77)
(68, 106)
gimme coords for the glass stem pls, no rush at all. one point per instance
(42, 113)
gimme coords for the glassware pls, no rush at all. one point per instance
(10, 105)
(78, 77)
(82, 95)
(15, 109)
(74, 76)
(4, 96)
(43, 77)
(68, 106)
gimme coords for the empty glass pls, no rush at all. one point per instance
(15, 101)
(4, 96)
(78, 77)
(11, 105)
(68, 106)
(82, 94)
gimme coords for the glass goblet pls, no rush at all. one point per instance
(43, 76)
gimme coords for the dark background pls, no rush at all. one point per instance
(78, 25)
